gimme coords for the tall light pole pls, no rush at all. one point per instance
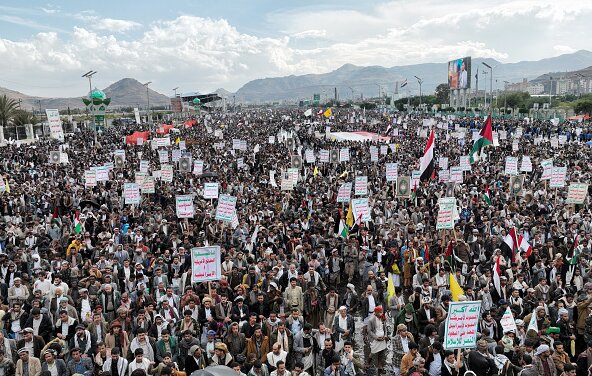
(485, 90)
(419, 81)
(506, 83)
(148, 99)
(490, 83)
(352, 91)
(175, 91)
(89, 75)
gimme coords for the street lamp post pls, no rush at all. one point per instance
(352, 91)
(505, 95)
(148, 107)
(490, 83)
(89, 75)
(419, 81)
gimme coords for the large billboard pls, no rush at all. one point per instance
(459, 73)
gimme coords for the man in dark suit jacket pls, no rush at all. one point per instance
(426, 315)
(45, 326)
(51, 358)
(65, 326)
(38, 342)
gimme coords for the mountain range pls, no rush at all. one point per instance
(348, 80)
(126, 92)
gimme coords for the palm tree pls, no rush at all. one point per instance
(22, 117)
(7, 108)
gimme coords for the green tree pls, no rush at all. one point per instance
(442, 93)
(22, 117)
(7, 108)
(583, 106)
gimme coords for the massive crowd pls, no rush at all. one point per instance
(90, 285)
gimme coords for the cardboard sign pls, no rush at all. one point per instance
(344, 155)
(511, 166)
(144, 165)
(507, 322)
(226, 207)
(576, 193)
(102, 173)
(176, 155)
(163, 156)
(309, 156)
(205, 264)
(324, 156)
(456, 175)
(445, 219)
(444, 176)
(392, 172)
(558, 177)
(361, 210)
(465, 163)
(184, 206)
(344, 192)
(461, 325)
(547, 166)
(443, 163)
(166, 173)
(131, 193)
(526, 165)
(148, 185)
(373, 154)
(383, 149)
(198, 166)
(210, 191)
(361, 186)
(415, 179)
(90, 179)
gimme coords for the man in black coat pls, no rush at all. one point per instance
(29, 339)
(43, 322)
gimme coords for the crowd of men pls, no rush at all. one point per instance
(90, 285)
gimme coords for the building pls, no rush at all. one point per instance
(535, 89)
(184, 102)
(518, 87)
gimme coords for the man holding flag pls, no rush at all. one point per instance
(485, 138)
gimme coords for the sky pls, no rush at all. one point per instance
(204, 45)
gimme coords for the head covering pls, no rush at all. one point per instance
(193, 349)
(563, 311)
(378, 309)
(541, 349)
(351, 286)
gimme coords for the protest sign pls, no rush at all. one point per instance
(295, 175)
(166, 173)
(526, 165)
(176, 155)
(344, 155)
(444, 176)
(184, 206)
(415, 179)
(465, 163)
(139, 176)
(460, 331)
(210, 190)
(443, 163)
(391, 172)
(445, 219)
(144, 165)
(558, 176)
(205, 264)
(182, 145)
(403, 186)
(373, 154)
(55, 124)
(562, 140)
(131, 193)
(511, 166)
(344, 192)
(225, 209)
(309, 156)
(547, 166)
(198, 166)
(361, 210)
(102, 173)
(148, 185)
(361, 186)
(383, 149)
(240, 163)
(324, 156)
(576, 193)
(163, 156)
(90, 178)
(236, 144)
(515, 145)
(516, 185)
(456, 174)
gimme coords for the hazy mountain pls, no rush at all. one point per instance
(365, 80)
(123, 93)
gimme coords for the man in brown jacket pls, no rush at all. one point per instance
(33, 364)
(258, 345)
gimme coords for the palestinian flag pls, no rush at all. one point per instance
(573, 253)
(77, 225)
(426, 163)
(487, 196)
(343, 229)
(448, 253)
(414, 194)
(485, 139)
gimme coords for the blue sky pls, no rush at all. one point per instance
(201, 46)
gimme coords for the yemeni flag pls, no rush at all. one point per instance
(486, 138)
(487, 196)
(496, 277)
(426, 163)
(77, 225)
(524, 246)
(507, 246)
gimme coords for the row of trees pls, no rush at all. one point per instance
(11, 114)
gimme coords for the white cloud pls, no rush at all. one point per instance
(313, 33)
(115, 26)
(203, 54)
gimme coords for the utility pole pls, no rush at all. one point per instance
(505, 95)
(419, 81)
(490, 83)
(485, 90)
(352, 92)
(148, 99)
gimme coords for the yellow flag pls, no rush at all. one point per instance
(455, 288)
(315, 172)
(349, 218)
(344, 174)
(390, 288)
(7, 187)
(328, 113)
(178, 140)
